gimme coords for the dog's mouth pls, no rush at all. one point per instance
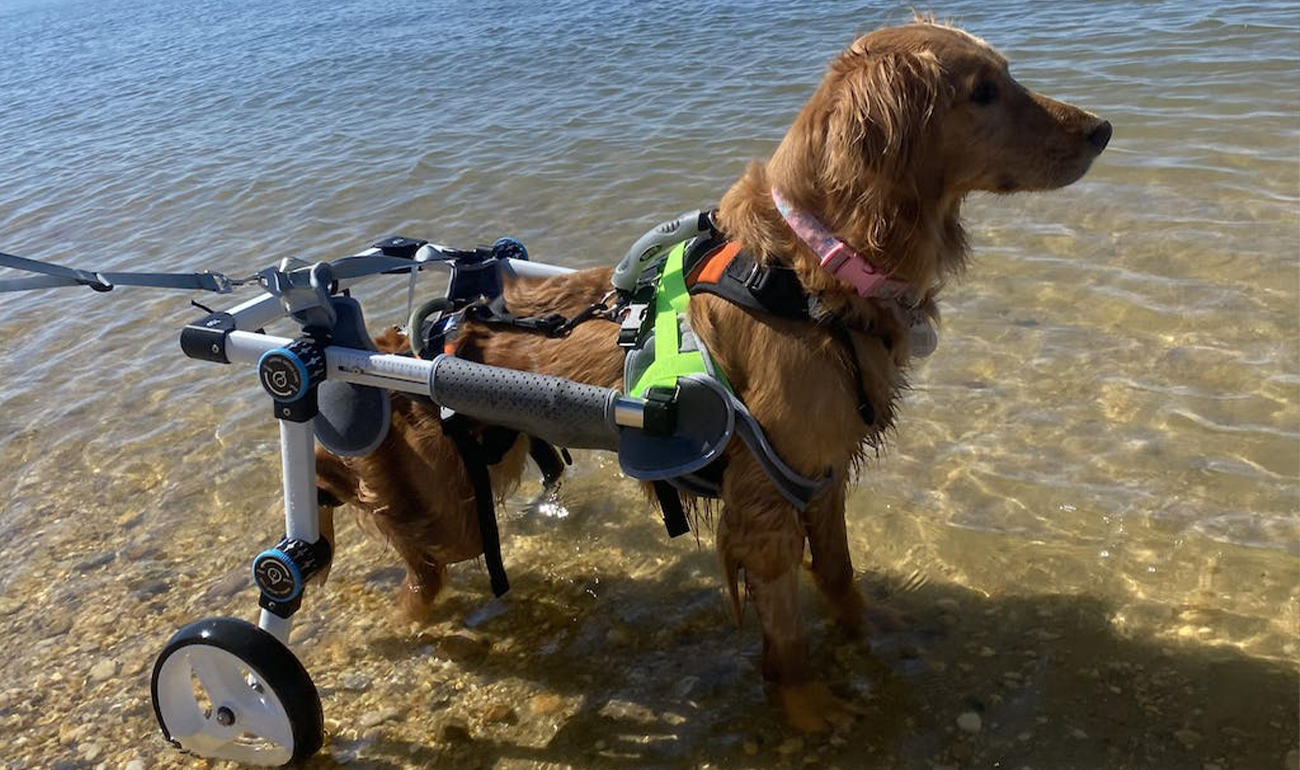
(1062, 173)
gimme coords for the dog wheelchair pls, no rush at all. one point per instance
(225, 688)
(256, 703)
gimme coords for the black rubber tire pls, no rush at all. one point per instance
(415, 334)
(272, 662)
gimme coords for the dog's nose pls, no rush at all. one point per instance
(1099, 137)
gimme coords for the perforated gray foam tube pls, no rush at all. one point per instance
(563, 412)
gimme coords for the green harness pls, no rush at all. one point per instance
(667, 355)
(673, 357)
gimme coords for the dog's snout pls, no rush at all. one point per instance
(1099, 136)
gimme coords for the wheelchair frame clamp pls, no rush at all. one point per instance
(205, 339)
(400, 247)
(281, 572)
(304, 292)
(290, 375)
(660, 414)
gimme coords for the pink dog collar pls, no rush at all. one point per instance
(837, 257)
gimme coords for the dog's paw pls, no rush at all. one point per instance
(860, 620)
(879, 619)
(812, 708)
(416, 604)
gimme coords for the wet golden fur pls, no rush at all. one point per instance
(885, 151)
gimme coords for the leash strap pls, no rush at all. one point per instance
(49, 275)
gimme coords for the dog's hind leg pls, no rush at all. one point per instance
(424, 580)
(762, 534)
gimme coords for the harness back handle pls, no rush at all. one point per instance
(653, 243)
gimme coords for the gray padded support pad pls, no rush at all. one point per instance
(563, 412)
(798, 489)
(353, 419)
(705, 421)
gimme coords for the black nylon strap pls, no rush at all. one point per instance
(494, 313)
(549, 460)
(841, 334)
(496, 441)
(50, 275)
(776, 290)
(770, 289)
(471, 453)
(670, 505)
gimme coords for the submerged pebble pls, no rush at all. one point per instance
(545, 703)
(103, 670)
(970, 722)
(379, 716)
(499, 712)
(354, 681)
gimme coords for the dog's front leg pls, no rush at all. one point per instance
(761, 534)
(832, 566)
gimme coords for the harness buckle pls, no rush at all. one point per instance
(629, 332)
(756, 280)
(660, 411)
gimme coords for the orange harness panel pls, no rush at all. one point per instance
(711, 267)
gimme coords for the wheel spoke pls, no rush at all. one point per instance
(205, 742)
(262, 714)
(213, 675)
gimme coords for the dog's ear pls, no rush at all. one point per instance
(880, 114)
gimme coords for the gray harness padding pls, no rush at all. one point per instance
(704, 425)
(708, 416)
(353, 419)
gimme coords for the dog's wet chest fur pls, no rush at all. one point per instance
(797, 378)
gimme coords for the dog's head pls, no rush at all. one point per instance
(930, 108)
(906, 122)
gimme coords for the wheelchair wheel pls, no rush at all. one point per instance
(225, 689)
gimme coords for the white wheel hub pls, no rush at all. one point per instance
(215, 706)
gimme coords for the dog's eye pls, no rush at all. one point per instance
(984, 92)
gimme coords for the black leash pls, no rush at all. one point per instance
(554, 325)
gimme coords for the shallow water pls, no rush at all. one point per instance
(1088, 517)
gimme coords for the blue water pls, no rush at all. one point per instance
(1111, 422)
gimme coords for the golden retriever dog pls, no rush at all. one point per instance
(906, 123)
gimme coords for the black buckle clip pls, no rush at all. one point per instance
(629, 331)
(660, 412)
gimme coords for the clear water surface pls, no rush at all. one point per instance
(1088, 517)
